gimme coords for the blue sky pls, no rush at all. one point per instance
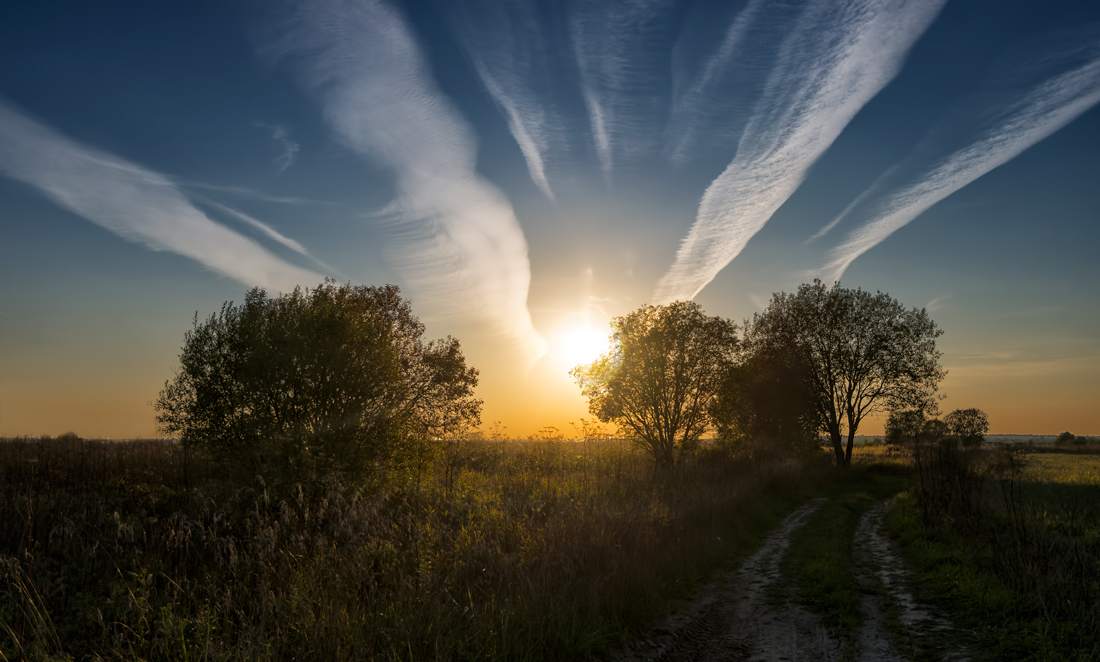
(527, 169)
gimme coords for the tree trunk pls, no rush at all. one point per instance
(848, 453)
(838, 449)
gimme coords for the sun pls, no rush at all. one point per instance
(579, 341)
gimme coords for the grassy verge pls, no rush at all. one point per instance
(819, 565)
(1020, 582)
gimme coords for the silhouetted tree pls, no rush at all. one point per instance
(904, 427)
(933, 431)
(665, 366)
(765, 403)
(967, 426)
(317, 381)
(865, 353)
(1066, 438)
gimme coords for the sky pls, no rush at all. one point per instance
(524, 171)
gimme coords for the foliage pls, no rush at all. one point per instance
(315, 382)
(865, 353)
(765, 405)
(967, 426)
(904, 426)
(657, 382)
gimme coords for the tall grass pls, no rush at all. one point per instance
(488, 550)
(1013, 542)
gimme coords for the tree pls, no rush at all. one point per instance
(315, 382)
(1066, 438)
(665, 366)
(933, 431)
(765, 403)
(905, 426)
(967, 426)
(865, 353)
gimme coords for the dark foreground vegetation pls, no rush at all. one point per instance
(486, 550)
(1007, 540)
(518, 550)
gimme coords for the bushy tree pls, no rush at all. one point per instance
(1066, 438)
(967, 426)
(315, 382)
(904, 427)
(865, 353)
(665, 366)
(765, 404)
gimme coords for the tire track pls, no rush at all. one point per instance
(877, 561)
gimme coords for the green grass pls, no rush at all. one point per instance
(1022, 583)
(819, 564)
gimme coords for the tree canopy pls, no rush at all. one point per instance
(765, 404)
(864, 353)
(967, 426)
(657, 382)
(326, 380)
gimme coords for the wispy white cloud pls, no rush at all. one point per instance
(290, 148)
(253, 194)
(1058, 82)
(837, 57)
(137, 204)
(712, 102)
(937, 303)
(620, 46)
(512, 54)
(462, 241)
(266, 230)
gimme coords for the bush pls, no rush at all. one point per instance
(322, 382)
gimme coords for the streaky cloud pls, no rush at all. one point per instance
(712, 103)
(253, 194)
(1056, 83)
(512, 54)
(266, 230)
(835, 60)
(290, 148)
(137, 204)
(620, 50)
(462, 242)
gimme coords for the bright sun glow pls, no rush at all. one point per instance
(578, 342)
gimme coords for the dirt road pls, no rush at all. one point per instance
(743, 615)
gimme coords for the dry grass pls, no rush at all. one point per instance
(488, 550)
(1061, 468)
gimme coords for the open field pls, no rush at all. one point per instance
(487, 550)
(532, 550)
(1015, 558)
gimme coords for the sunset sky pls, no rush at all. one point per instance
(526, 170)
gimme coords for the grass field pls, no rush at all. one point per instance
(1021, 577)
(487, 550)
(533, 550)
(1062, 468)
